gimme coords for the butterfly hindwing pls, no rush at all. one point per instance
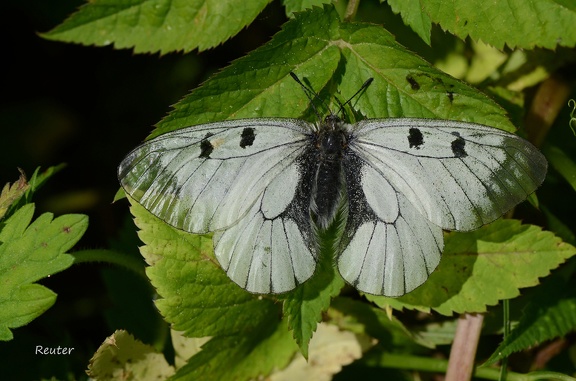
(273, 248)
(388, 247)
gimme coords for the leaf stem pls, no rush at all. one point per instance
(113, 257)
(426, 364)
(506, 317)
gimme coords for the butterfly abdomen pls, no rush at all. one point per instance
(328, 182)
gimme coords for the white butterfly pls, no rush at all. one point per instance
(265, 185)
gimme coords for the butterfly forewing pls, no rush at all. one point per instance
(205, 178)
(459, 175)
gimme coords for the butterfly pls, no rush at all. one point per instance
(266, 186)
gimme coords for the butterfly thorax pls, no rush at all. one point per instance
(328, 182)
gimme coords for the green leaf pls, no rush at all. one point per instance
(28, 253)
(243, 356)
(551, 313)
(24, 190)
(480, 268)
(413, 16)
(122, 354)
(333, 57)
(293, 6)
(303, 307)
(12, 193)
(363, 318)
(330, 56)
(150, 26)
(196, 295)
(517, 23)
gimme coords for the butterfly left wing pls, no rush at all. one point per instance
(243, 180)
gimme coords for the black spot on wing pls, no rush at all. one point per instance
(247, 137)
(413, 83)
(450, 95)
(458, 146)
(415, 138)
(206, 147)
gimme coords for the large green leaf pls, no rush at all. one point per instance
(515, 23)
(28, 253)
(334, 57)
(197, 297)
(150, 26)
(482, 267)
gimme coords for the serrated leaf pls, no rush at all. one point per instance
(517, 23)
(28, 253)
(293, 6)
(11, 193)
(332, 56)
(329, 55)
(482, 267)
(303, 307)
(196, 295)
(243, 356)
(413, 16)
(198, 298)
(36, 181)
(551, 313)
(121, 355)
(150, 26)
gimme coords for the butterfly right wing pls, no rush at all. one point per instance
(206, 178)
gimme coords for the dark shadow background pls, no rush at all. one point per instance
(88, 107)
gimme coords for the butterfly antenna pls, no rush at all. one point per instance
(311, 94)
(362, 88)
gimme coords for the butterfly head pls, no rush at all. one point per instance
(332, 123)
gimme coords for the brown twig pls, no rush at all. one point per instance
(463, 352)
